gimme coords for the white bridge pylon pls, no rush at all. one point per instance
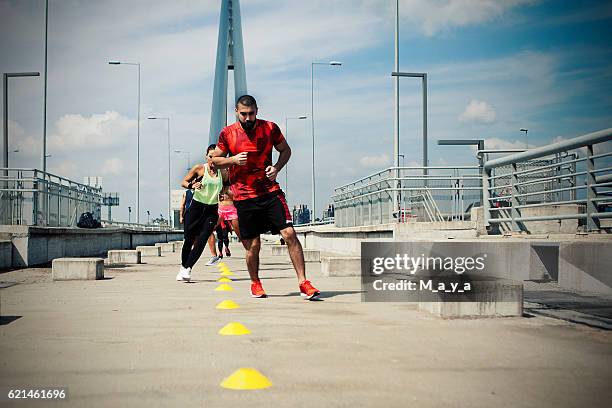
(230, 56)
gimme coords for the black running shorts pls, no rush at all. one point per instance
(267, 213)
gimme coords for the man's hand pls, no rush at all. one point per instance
(271, 172)
(241, 158)
(180, 220)
(196, 185)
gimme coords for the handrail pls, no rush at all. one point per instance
(577, 142)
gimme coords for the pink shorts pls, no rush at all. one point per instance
(227, 213)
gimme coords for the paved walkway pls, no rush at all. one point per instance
(141, 339)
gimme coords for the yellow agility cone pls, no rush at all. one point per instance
(227, 273)
(224, 279)
(234, 329)
(246, 379)
(224, 287)
(227, 304)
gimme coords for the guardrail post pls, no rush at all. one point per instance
(514, 211)
(591, 208)
(486, 204)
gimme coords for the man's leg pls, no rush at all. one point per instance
(236, 227)
(252, 247)
(295, 252)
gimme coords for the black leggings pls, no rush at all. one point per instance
(222, 237)
(200, 222)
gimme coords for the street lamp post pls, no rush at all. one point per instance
(167, 119)
(137, 139)
(526, 139)
(312, 65)
(5, 77)
(286, 136)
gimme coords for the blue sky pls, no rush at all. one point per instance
(493, 67)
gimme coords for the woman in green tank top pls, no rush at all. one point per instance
(201, 217)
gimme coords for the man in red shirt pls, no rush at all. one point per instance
(258, 198)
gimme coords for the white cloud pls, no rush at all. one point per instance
(113, 166)
(497, 143)
(377, 161)
(436, 16)
(75, 132)
(478, 111)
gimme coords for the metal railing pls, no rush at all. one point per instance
(136, 226)
(32, 197)
(444, 193)
(574, 176)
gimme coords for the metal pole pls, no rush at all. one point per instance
(5, 121)
(425, 161)
(313, 194)
(286, 165)
(396, 117)
(44, 129)
(168, 119)
(138, 155)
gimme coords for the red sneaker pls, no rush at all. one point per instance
(308, 291)
(257, 290)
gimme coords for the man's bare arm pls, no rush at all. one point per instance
(285, 153)
(221, 161)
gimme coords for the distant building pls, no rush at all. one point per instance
(301, 214)
(328, 213)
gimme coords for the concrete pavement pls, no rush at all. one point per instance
(139, 338)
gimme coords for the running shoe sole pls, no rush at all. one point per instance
(310, 297)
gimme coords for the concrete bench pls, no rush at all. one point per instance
(490, 297)
(77, 269)
(123, 256)
(341, 266)
(165, 246)
(149, 250)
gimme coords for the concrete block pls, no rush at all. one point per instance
(78, 268)
(341, 266)
(165, 246)
(280, 250)
(6, 254)
(178, 245)
(490, 298)
(585, 266)
(149, 250)
(312, 255)
(123, 256)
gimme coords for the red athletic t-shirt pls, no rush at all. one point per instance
(250, 181)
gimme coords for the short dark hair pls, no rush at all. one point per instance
(211, 147)
(246, 100)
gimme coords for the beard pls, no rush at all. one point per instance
(248, 124)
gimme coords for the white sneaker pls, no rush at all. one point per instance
(184, 274)
(213, 260)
